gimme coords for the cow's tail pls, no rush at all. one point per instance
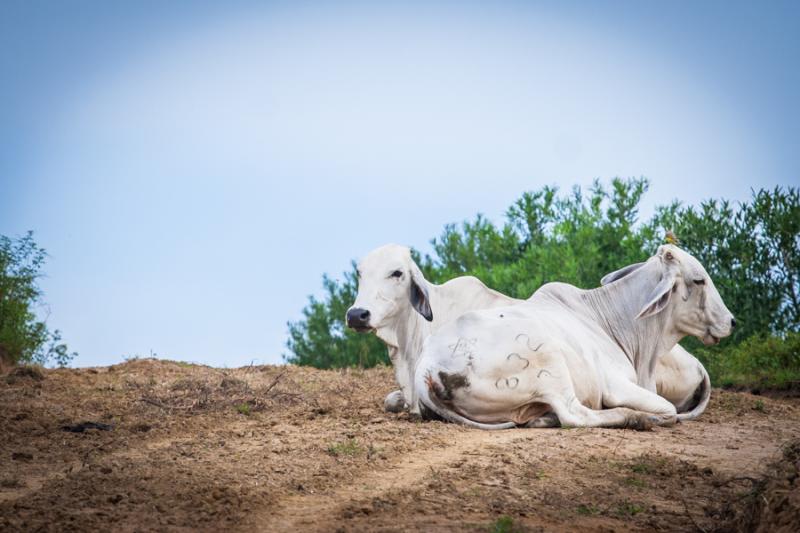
(700, 397)
(432, 396)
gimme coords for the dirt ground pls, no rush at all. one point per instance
(176, 447)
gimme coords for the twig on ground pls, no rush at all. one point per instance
(618, 443)
(753, 481)
(274, 382)
(161, 405)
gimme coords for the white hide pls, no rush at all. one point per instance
(587, 356)
(684, 382)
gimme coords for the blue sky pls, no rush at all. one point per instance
(193, 168)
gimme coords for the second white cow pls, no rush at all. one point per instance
(587, 356)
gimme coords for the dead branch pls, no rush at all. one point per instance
(274, 382)
(161, 405)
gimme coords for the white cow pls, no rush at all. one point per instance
(586, 356)
(393, 296)
(396, 302)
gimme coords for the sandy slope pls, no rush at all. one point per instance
(294, 449)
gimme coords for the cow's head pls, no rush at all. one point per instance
(688, 293)
(390, 285)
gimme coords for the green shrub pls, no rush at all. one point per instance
(504, 524)
(760, 362)
(24, 338)
(348, 447)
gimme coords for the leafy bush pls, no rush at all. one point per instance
(751, 250)
(760, 362)
(24, 338)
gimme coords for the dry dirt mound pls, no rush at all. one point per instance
(158, 445)
(773, 502)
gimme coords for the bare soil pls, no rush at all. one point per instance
(159, 445)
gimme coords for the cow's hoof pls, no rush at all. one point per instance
(415, 417)
(667, 420)
(641, 422)
(648, 421)
(395, 402)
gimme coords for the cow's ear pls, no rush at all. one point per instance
(619, 274)
(419, 294)
(659, 297)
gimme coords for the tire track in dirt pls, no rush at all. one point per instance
(303, 512)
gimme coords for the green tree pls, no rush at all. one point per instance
(321, 339)
(575, 238)
(24, 338)
(776, 214)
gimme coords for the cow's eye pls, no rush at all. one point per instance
(397, 274)
(699, 282)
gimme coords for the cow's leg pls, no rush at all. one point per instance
(550, 382)
(623, 393)
(403, 373)
(572, 413)
(395, 402)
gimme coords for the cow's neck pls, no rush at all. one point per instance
(614, 308)
(404, 339)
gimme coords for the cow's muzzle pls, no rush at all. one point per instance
(358, 319)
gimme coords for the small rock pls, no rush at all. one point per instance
(83, 426)
(10, 483)
(22, 456)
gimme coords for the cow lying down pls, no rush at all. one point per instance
(403, 308)
(585, 356)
